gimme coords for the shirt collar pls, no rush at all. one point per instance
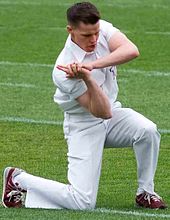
(78, 52)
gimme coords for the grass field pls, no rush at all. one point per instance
(31, 137)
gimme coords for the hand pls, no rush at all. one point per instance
(88, 66)
(75, 70)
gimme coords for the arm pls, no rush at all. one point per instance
(94, 99)
(122, 51)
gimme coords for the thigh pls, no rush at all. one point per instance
(85, 149)
(122, 128)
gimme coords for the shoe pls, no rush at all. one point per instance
(13, 195)
(152, 201)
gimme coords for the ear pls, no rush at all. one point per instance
(69, 29)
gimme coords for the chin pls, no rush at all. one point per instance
(90, 50)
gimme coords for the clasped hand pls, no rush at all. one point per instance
(76, 70)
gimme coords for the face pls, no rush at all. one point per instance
(85, 35)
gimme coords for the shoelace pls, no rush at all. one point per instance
(148, 197)
(17, 196)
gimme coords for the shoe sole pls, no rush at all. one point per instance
(143, 207)
(5, 175)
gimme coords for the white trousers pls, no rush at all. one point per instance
(86, 138)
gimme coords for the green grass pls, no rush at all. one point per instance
(33, 32)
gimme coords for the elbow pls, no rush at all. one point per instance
(135, 52)
(104, 115)
(107, 116)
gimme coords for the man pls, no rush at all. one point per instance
(85, 76)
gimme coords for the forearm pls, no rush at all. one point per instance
(94, 99)
(121, 55)
(98, 103)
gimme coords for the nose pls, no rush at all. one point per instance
(93, 39)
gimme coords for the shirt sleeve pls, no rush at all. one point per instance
(72, 87)
(107, 29)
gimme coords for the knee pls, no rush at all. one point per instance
(149, 132)
(87, 206)
(85, 202)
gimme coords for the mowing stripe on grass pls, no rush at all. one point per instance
(34, 27)
(147, 72)
(55, 28)
(21, 85)
(33, 3)
(34, 121)
(66, 4)
(131, 213)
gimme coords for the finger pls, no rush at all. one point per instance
(74, 68)
(77, 65)
(87, 66)
(79, 68)
(60, 68)
(63, 68)
(69, 76)
(71, 73)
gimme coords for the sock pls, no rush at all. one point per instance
(20, 179)
(140, 191)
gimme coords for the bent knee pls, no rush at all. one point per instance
(151, 129)
(149, 132)
(85, 202)
(87, 206)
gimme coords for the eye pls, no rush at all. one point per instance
(87, 35)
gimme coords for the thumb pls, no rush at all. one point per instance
(87, 66)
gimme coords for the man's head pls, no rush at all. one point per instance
(83, 25)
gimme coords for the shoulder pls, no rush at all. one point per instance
(107, 29)
(105, 24)
(66, 56)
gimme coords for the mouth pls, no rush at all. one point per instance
(92, 47)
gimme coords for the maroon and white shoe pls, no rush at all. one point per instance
(13, 195)
(152, 201)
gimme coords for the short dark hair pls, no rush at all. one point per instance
(84, 12)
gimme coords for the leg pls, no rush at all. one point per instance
(84, 157)
(129, 128)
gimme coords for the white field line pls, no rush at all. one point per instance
(8, 63)
(148, 73)
(157, 32)
(34, 121)
(29, 121)
(149, 32)
(164, 131)
(21, 85)
(131, 213)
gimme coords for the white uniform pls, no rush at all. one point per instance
(87, 135)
